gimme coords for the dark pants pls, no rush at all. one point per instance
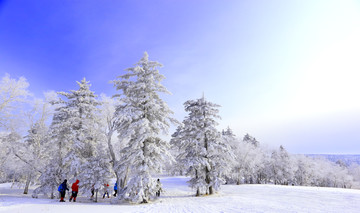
(115, 193)
(106, 193)
(73, 195)
(62, 195)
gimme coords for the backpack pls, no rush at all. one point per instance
(60, 188)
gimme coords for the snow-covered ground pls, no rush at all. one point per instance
(178, 197)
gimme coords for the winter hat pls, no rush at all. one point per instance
(65, 181)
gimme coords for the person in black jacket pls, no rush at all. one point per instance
(62, 189)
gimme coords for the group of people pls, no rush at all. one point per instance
(106, 190)
(75, 189)
(63, 187)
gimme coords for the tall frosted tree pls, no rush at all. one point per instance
(82, 120)
(144, 117)
(202, 150)
(74, 134)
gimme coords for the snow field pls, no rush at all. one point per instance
(178, 197)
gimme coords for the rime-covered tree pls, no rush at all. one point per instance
(12, 166)
(228, 132)
(249, 166)
(109, 122)
(144, 117)
(33, 151)
(96, 171)
(25, 117)
(82, 121)
(55, 170)
(249, 139)
(202, 150)
(354, 171)
(305, 170)
(282, 167)
(13, 93)
(176, 148)
(230, 138)
(60, 140)
(74, 133)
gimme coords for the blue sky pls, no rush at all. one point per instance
(286, 72)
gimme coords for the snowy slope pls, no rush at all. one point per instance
(178, 197)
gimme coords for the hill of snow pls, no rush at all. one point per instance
(178, 197)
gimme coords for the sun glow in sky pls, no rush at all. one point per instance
(286, 72)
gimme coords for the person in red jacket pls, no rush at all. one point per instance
(106, 190)
(75, 190)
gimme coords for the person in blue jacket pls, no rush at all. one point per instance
(115, 189)
(62, 189)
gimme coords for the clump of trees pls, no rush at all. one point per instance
(80, 135)
(256, 164)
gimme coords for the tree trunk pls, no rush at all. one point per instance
(207, 171)
(211, 191)
(146, 196)
(259, 178)
(121, 183)
(207, 179)
(28, 180)
(197, 190)
(111, 148)
(96, 194)
(52, 196)
(124, 181)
